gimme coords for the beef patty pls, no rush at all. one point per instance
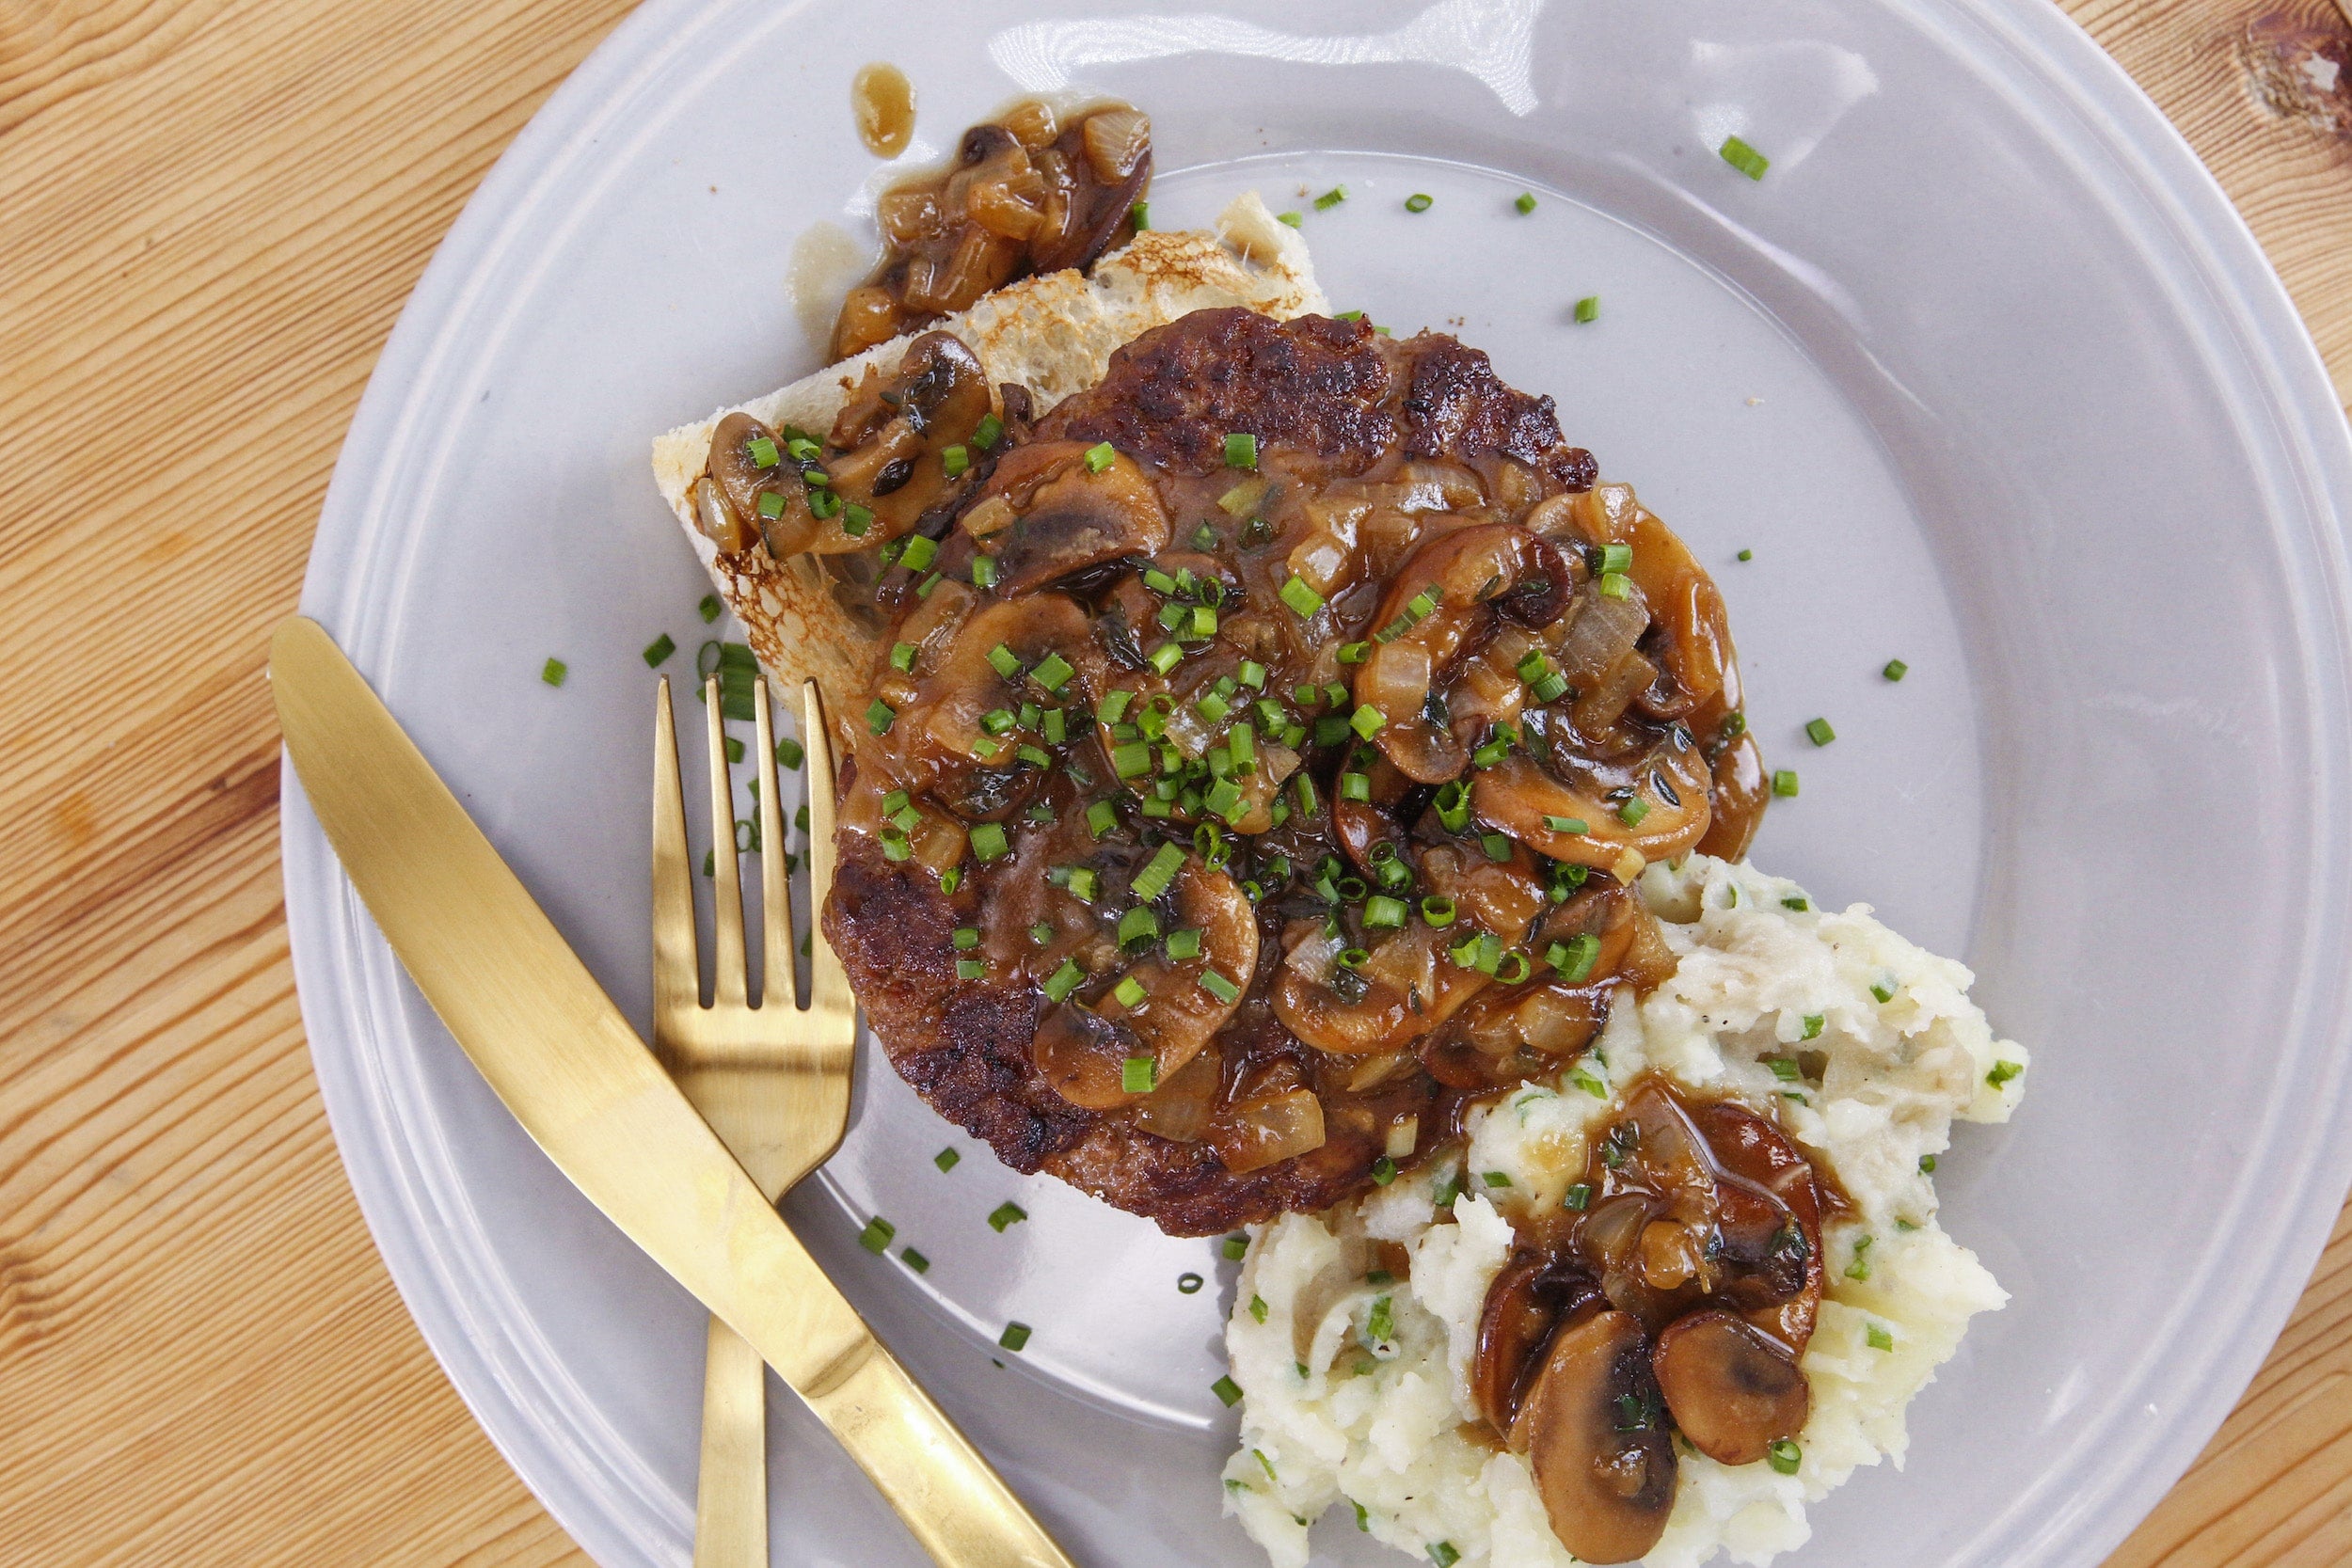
(1260, 751)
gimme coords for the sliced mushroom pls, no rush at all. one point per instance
(891, 442)
(1072, 517)
(1733, 1390)
(1439, 606)
(1536, 1293)
(1083, 1052)
(1658, 810)
(1406, 986)
(1097, 172)
(742, 499)
(1594, 1428)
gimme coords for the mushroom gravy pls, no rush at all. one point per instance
(1674, 1292)
(1036, 190)
(1286, 762)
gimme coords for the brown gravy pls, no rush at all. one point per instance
(882, 101)
(1035, 190)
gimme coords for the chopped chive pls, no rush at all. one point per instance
(708, 608)
(1101, 819)
(1137, 1074)
(1786, 1456)
(1383, 1171)
(1860, 1267)
(1526, 202)
(1366, 720)
(1227, 1391)
(876, 1237)
(988, 841)
(1926, 1164)
(762, 451)
(946, 1160)
(987, 431)
(1139, 214)
(1330, 198)
(1785, 783)
(1293, 219)
(1166, 658)
(1820, 732)
(1813, 1022)
(1129, 761)
(1154, 879)
(823, 503)
(1100, 456)
(1300, 598)
(971, 968)
(1383, 912)
(856, 519)
(1183, 945)
(1241, 451)
(1495, 1179)
(955, 460)
(902, 658)
(1632, 810)
(1589, 309)
(1016, 1336)
(1188, 1284)
(1896, 670)
(1883, 991)
(965, 938)
(659, 649)
(2003, 1072)
(1748, 161)
(1355, 653)
(1115, 703)
(1419, 202)
(1135, 924)
(1614, 585)
(553, 672)
(1574, 957)
(1005, 1214)
(1219, 987)
(1747, 555)
(1566, 824)
(1877, 1336)
(1053, 672)
(1060, 984)
(918, 553)
(983, 570)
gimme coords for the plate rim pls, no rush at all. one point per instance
(330, 938)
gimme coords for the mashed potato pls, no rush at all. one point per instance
(1356, 1386)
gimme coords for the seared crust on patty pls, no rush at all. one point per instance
(965, 1047)
(1170, 397)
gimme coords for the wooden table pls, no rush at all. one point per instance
(210, 214)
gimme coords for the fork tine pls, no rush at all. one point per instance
(728, 985)
(779, 983)
(677, 968)
(828, 985)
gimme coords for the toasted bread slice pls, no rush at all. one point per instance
(1052, 335)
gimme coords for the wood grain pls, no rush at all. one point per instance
(210, 214)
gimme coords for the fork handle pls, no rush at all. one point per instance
(945, 1493)
(731, 1496)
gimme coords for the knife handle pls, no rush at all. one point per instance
(953, 1501)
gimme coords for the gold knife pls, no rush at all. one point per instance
(576, 1075)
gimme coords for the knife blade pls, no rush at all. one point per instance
(559, 1054)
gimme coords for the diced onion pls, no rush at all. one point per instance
(1262, 1132)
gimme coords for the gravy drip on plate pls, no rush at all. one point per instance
(1033, 191)
(1260, 749)
(882, 101)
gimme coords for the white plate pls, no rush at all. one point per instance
(1985, 372)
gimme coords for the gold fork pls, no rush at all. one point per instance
(771, 1080)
